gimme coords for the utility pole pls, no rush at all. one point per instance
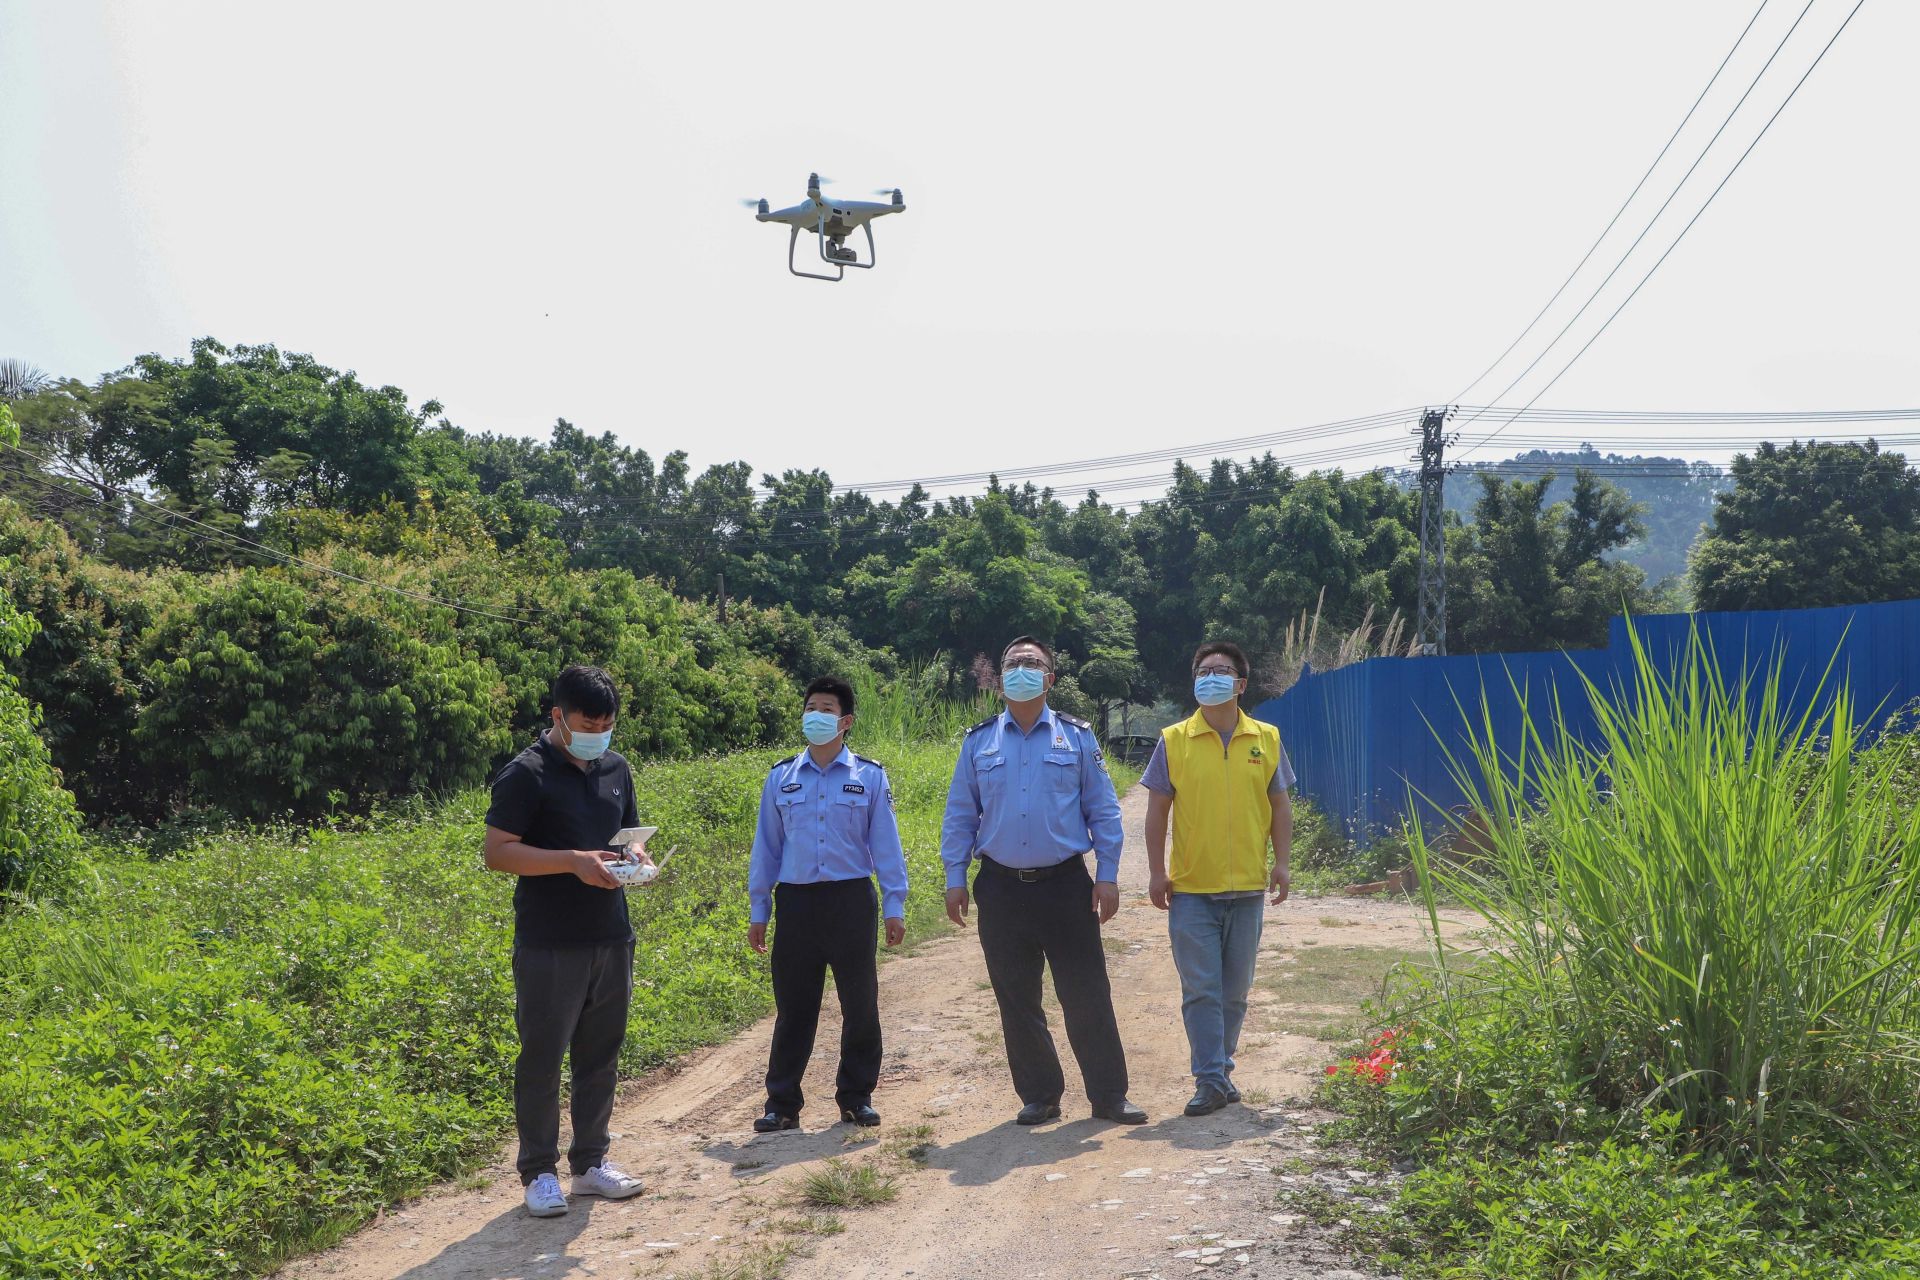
(723, 599)
(1430, 627)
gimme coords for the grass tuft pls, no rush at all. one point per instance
(839, 1185)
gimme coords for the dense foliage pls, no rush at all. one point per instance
(1675, 497)
(38, 821)
(1531, 576)
(1809, 524)
(167, 477)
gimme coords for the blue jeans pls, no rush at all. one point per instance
(1214, 943)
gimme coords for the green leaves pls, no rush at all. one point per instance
(1810, 524)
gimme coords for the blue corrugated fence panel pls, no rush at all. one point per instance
(1366, 738)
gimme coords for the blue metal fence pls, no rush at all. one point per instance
(1364, 738)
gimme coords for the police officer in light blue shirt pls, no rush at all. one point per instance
(1030, 796)
(826, 828)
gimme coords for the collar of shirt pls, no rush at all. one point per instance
(806, 760)
(1198, 725)
(1007, 722)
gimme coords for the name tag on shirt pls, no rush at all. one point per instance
(855, 787)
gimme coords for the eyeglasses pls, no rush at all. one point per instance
(1024, 664)
(1228, 672)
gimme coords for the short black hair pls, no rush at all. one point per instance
(834, 685)
(587, 690)
(1035, 641)
(1224, 648)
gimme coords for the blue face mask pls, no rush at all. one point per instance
(1211, 691)
(587, 747)
(819, 727)
(1023, 684)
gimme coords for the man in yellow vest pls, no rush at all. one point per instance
(1223, 777)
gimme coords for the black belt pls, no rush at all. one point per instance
(1032, 875)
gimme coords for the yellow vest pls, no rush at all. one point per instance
(1221, 813)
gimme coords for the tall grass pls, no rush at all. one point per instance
(1708, 910)
(921, 704)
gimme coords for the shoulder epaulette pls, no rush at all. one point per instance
(983, 724)
(784, 761)
(866, 760)
(1075, 721)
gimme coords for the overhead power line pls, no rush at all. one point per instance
(1708, 203)
(1678, 187)
(1613, 221)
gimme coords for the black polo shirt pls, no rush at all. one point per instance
(546, 798)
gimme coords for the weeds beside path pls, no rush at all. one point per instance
(973, 1195)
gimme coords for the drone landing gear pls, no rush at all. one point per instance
(833, 253)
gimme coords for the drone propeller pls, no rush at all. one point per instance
(750, 204)
(884, 191)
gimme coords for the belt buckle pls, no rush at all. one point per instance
(1027, 875)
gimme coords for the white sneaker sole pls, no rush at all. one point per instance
(559, 1211)
(580, 1190)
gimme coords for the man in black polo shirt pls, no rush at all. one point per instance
(555, 807)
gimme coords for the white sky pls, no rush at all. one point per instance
(1128, 226)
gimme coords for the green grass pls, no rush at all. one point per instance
(240, 1054)
(763, 1261)
(1691, 1049)
(839, 1185)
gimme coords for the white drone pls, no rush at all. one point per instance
(832, 221)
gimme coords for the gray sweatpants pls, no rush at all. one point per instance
(568, 1000)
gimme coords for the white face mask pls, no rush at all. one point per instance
(587, 747)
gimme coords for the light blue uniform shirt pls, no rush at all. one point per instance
(817, 825)
(1031, 799)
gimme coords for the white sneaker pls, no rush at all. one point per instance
(544, 1199)
(605, 1180)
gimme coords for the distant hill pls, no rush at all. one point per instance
(1678, 495)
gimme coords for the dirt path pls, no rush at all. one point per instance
(984, 1198)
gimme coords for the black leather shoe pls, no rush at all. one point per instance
(861, 1114)
(1205, 1101)
(1233, 1094)
(1121, 1112)
(774, 1122)
(1038, 1113)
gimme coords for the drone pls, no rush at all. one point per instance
(832, 221)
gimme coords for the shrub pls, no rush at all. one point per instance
(272, 698)
(81, 667)
(38, 820)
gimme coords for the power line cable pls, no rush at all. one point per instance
(1818, 58)
(1611, 222)
(1678, 187)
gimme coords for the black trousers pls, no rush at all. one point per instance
(832, 925)
(1050, 922)
(571, 1000)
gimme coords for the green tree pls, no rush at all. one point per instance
(1528, 576)
(986, 581)
(270, 698)
(1810, 524)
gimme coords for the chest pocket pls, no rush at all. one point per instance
(792, 807)
(1061, 772)
(990, 773)
(848, 812)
